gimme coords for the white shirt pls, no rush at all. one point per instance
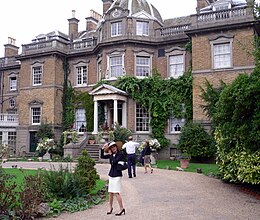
(130, 147)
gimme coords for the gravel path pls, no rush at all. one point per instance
(167, 195)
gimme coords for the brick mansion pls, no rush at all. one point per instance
(129, 38)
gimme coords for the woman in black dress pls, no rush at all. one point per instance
(115, 175)
(147, 156)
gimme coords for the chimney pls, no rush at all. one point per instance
(10, 48)
(73, 26)
(92, 20)
(106, 5)
(202, 4)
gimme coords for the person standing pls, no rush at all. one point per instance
(115, 175)
(130, 147)
(147, 156)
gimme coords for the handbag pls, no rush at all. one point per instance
(121, 165)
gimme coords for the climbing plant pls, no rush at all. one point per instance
(162, 97)
(84, 100)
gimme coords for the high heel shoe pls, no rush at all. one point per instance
(120, 213)
(108, 213)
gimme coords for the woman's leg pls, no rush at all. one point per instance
(120, 201)
(111, 195)
(145, 168)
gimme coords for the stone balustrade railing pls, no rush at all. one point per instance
(8, 120)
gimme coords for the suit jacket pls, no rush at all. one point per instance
(113, 159)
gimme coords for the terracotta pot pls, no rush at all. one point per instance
(91, 141)
(184, 163)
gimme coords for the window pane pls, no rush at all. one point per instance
(142, 66)
(36, 115)
(222, 55)
(37, 75)
(12, 142)
(81, 75)
(142, 118)
(116, 66)
(142, 28)
(176, 67)
(81, 120)
(116, 29)
(13, 83)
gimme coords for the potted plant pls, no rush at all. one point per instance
(91, 139)
(184, 160)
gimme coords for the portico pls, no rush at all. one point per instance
(111, 103)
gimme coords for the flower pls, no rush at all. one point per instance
(154, 144)
(45, 145)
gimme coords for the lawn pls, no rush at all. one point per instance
(21, 173)
(172, 164)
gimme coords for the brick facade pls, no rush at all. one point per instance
(96, 45)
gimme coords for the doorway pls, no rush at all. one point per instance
(33, 141)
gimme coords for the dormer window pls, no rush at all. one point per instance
(142, 28)
(221, 6)
(116, 29)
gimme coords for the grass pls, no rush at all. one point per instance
(19, 175)
(172, 164)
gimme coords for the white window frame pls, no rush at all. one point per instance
(115, 69)
(176, 124)
(142, 119)
(36, 118)
(12, 83)
(174, 53)
(218, 55)
(12, 103)
(12, 141)
(142, 28)
(176, 65)
(37, 77)
(143, 65)
(81, 75)
(80, 118)
(116, 28)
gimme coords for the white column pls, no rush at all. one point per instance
(115, 112)
(95, 117)
(124, 115)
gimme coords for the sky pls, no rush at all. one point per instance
(23, 20)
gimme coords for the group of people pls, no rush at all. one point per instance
(114, 154)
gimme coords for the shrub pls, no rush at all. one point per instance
(195, 141)
(237, 134)
(86, 172)
(121, 133)
(7, 194)
(34, 189)
(62, 183)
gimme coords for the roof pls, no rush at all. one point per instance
(107, 89)
(135, 7)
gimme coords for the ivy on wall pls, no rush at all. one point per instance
(68, 113)
(84, 100)
(162, 97)
(73, 99)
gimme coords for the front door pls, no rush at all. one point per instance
(33, 141)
